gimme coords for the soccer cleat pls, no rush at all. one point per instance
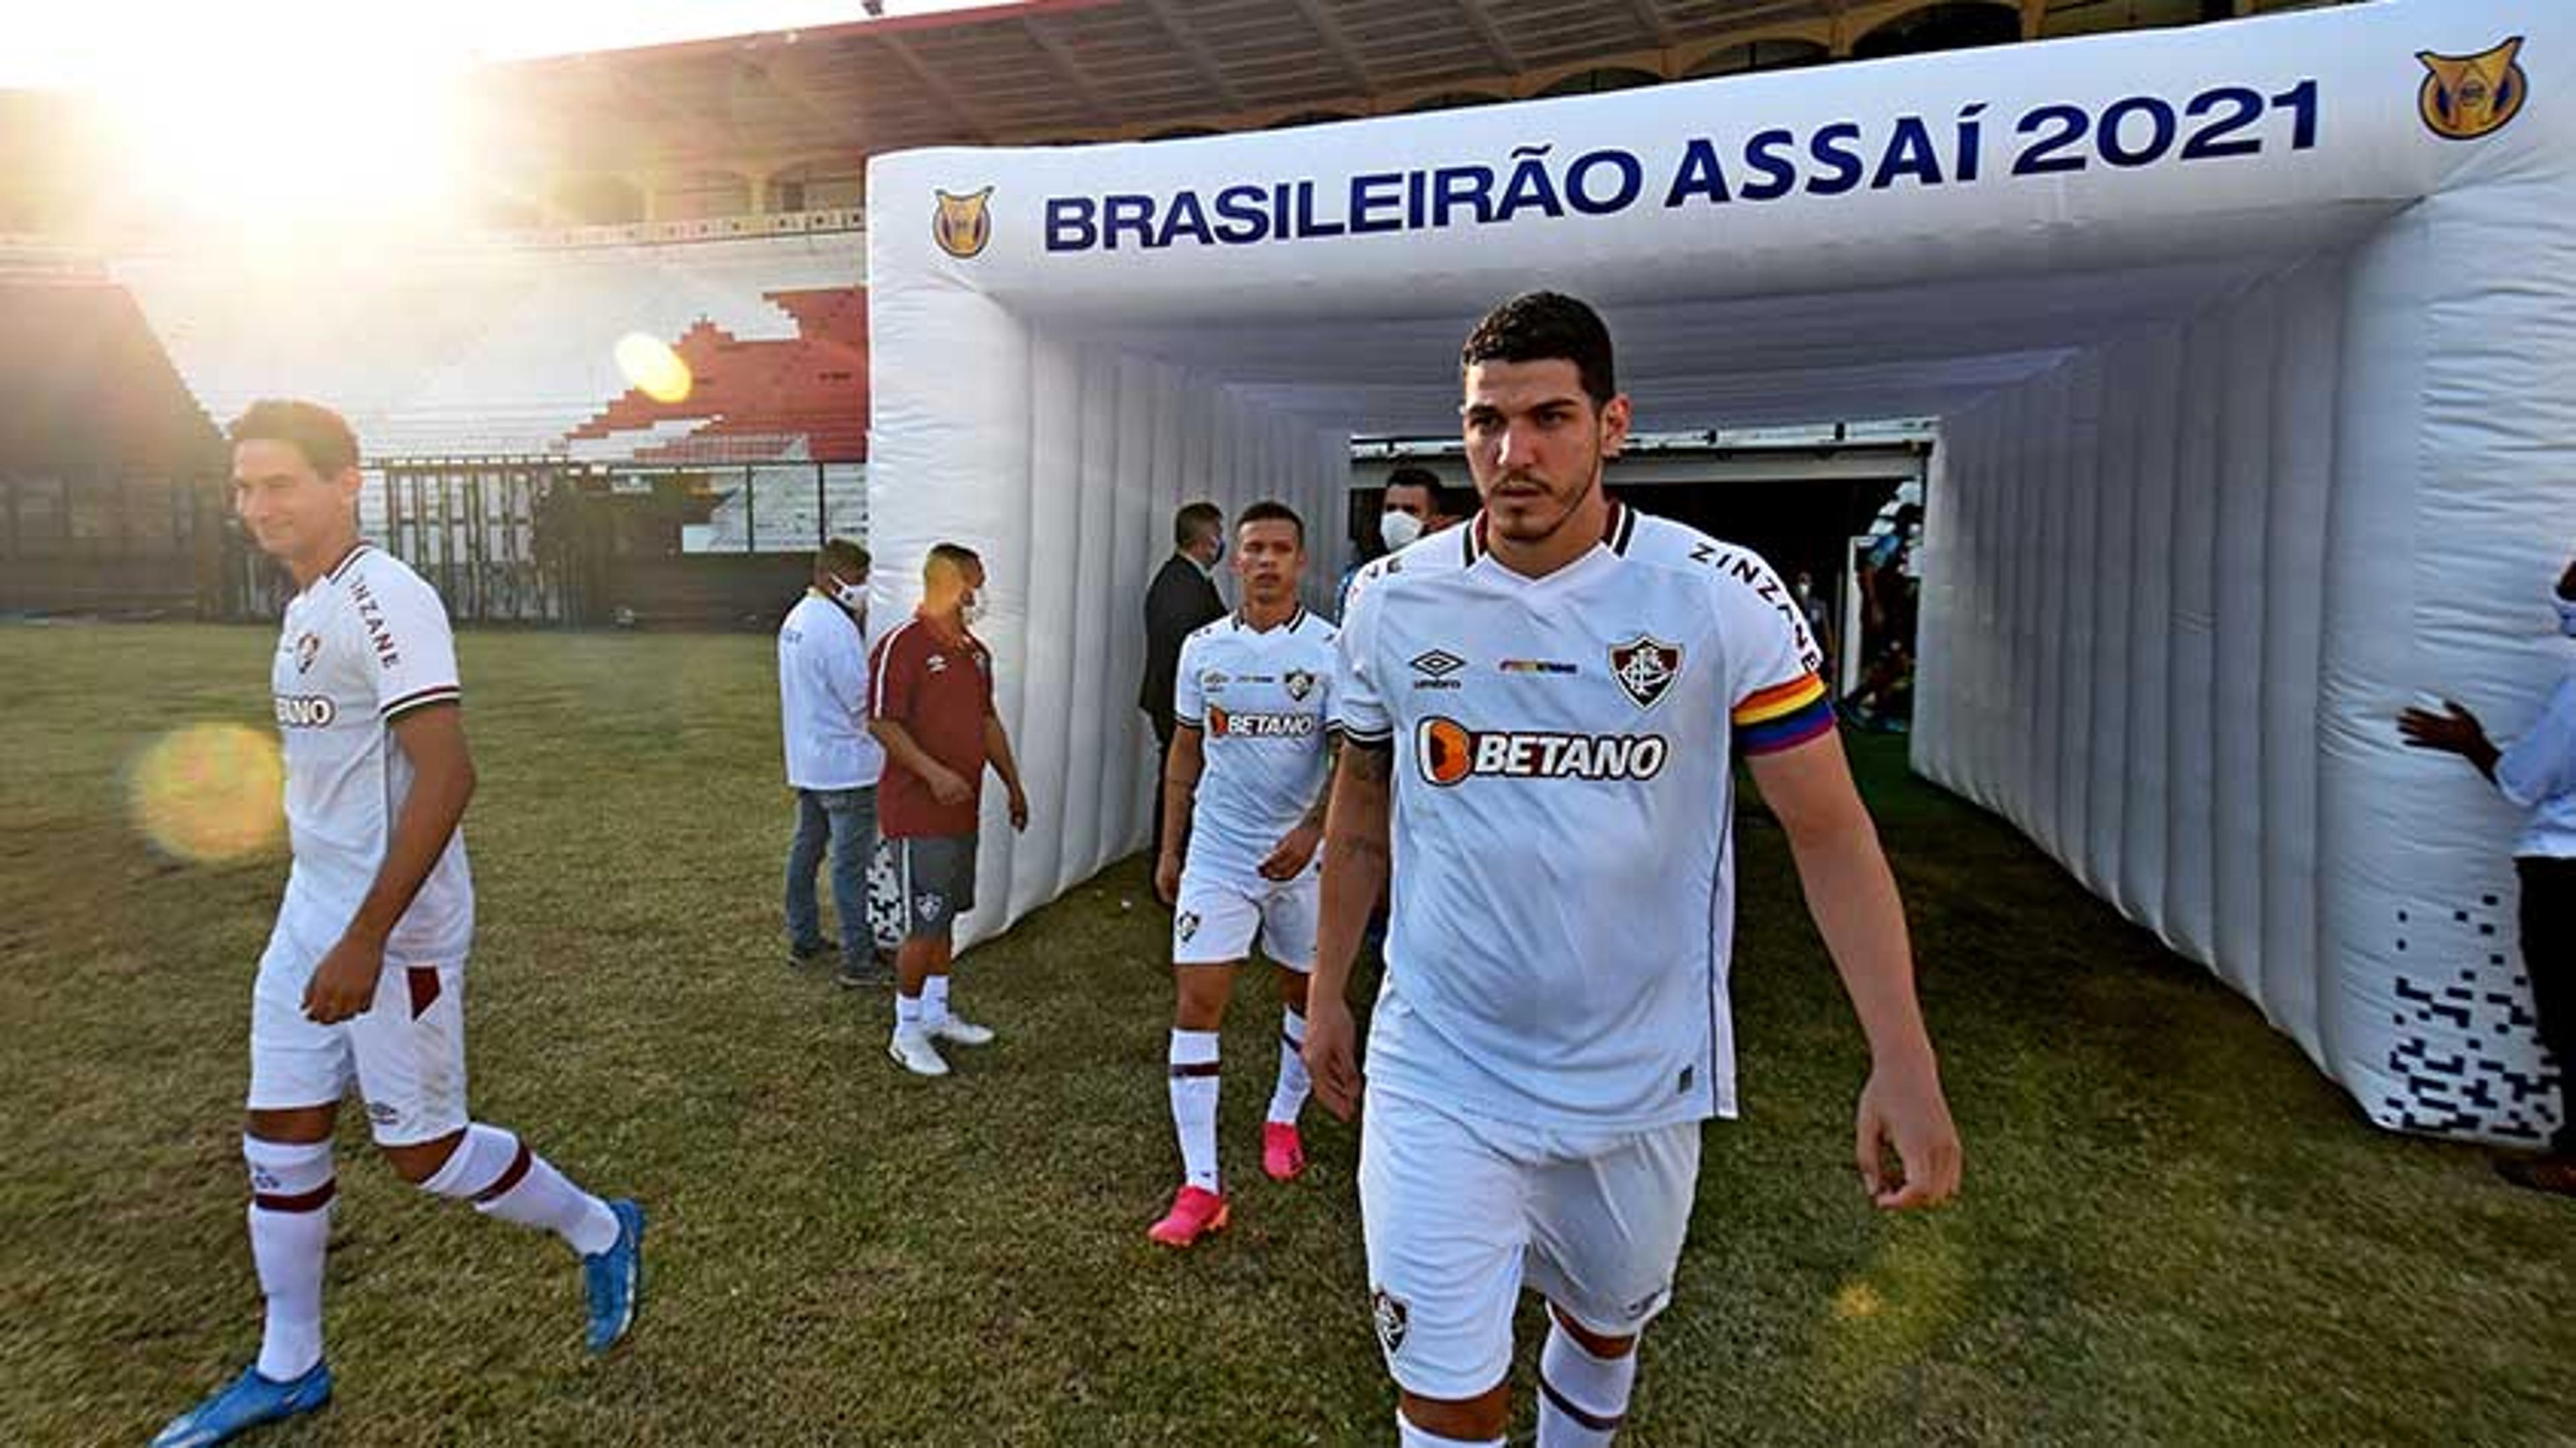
(913, 1052)
(801, 956)
(1283, 1154)
(614, 1278)
(963, 1032)
(245, 1403)
(1195, 1212)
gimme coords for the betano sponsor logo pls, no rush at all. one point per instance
(1225, 724)
(306, 711)
(1448, 753)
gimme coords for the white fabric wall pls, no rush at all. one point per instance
(2179, 586)
(1062, 467)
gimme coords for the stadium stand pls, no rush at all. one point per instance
(110, 499)
(478, 349)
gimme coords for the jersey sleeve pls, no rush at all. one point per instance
(1358, 709)
(1189, 702)
(404, 629)
(1775, 698)
(895, 674)
(2543, 761)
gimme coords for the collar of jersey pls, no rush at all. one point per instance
(340, 570)
(1243, 623)
(939, 630)
(1616, 532)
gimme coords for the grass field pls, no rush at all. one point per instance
(2173, 1230)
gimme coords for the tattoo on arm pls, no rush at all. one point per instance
(1370, 763)
(1324, 796)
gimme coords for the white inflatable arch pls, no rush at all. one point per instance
(2255, 350)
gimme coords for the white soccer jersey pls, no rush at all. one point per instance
(365, 644)
(1563, 816)
(1261, 701)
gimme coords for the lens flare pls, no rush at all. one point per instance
(652, 368)
(209, 793)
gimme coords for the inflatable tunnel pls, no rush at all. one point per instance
(2253, 345)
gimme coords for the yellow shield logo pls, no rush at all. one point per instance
(2468, 96)
(962, 224)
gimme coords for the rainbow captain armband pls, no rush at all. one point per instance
(1783, 716)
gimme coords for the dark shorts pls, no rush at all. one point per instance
(937, 876)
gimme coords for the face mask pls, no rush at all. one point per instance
(853, 596)
(971, 612)
(1398, 529)
(1219, 556)
(2566, 615)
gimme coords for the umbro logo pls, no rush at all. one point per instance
(1434, 668)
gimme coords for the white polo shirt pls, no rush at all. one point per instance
(364, 645)
(1563, 893)
(823, 698)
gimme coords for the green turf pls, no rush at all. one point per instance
(2173, 1229)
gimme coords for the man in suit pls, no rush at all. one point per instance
(1182, 597)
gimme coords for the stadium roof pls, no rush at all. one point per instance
(1069, 69)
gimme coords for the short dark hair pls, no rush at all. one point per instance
(1270, 510)
(1410, 476)
(840, 555)
(323, 436)
(955, 555)
(1547, 327)
(1195, 521)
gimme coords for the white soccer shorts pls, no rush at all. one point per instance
(406, 1052)
(1214, 920)
(1458, 1212)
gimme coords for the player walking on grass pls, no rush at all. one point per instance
(364, 977)
(1540, 713)
(1243, 804)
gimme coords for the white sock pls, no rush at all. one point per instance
(288, 1248)
(934, 1000)
(907, 1013)
(1581, 1398)
(503, 1178)
(1194, 1083)
(1289, 1096)
(1410, 1436)
(546, 1198)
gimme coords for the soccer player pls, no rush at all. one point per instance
(1540, 715)
(364, 977)
(1244, 796)
(932, 709)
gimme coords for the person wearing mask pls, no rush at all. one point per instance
(1409, 509)
(832, 760)
(930, 704)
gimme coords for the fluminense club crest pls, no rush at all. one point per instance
(1645, 667)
